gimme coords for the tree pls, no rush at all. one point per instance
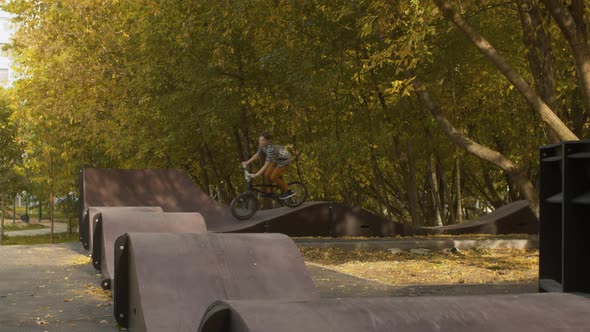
(545, 112)
(10, 156)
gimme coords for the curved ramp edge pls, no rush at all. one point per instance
(110, 225)
(512, 218)
(340, 220)
(171, 189)
(86, 223)
(154, 292)
(523, 312)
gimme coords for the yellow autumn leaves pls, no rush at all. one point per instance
(477, 266)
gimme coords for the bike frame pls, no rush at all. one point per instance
(254, 187)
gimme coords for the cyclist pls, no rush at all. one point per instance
(277, 160)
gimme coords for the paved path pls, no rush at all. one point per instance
(58, 227)
(51, 288)
(54, 288)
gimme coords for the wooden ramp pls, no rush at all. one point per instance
(173, 191)
(86, 224)
(110, 225)
(523, 312)
(165, 282)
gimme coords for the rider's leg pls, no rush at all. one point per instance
(276, 178)
(268, 177)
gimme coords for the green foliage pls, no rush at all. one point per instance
(190, 84)
(11, 180)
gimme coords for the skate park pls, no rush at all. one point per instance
(168, 260)
(286, 166)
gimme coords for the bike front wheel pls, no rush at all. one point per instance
(244, 206)
(300, 191)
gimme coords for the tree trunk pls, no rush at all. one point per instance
(512, 193)
(243, 107)
(51, 194)
(459, 214)
(433, 182)
(239, 149)
(412, 186)
(552, 120)
(441, 186)
(204, 174)
(538, 50)
(220, 192)
(479, 150)
(578, 114)
(573, 26)
(2, 223)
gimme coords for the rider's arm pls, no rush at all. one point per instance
(260, 171)
(254, 157)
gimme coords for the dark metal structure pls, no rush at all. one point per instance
(523, 312)
(564, 209)
(173, 190)
(86, 228)
(109, 225)
(165, 281)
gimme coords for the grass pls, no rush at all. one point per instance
(20, 226)
(41, 239)
(33, 213)
(477, 266)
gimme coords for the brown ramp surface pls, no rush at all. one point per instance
(109, 225)
(173, 190)
(523, 312)
(512, 218)
(314, 219)
(335, 219)
(165, 282)
(86, 228)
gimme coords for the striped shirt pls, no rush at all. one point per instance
(276, 154)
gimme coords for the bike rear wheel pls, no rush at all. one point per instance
(244, 206)
(300, 191)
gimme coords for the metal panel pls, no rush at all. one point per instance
(523, 312)
(86, 225)
(165, 282)
(109, 225)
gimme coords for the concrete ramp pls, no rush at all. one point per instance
(109, 225)
(526, 312)
(165, 282)
(86, 228)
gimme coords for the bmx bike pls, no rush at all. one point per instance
(246, 204)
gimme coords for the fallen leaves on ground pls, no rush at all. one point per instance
(476, 266)
(420, 237)
(80, 260)
(96, 292)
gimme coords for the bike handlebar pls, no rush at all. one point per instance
(247, 174)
